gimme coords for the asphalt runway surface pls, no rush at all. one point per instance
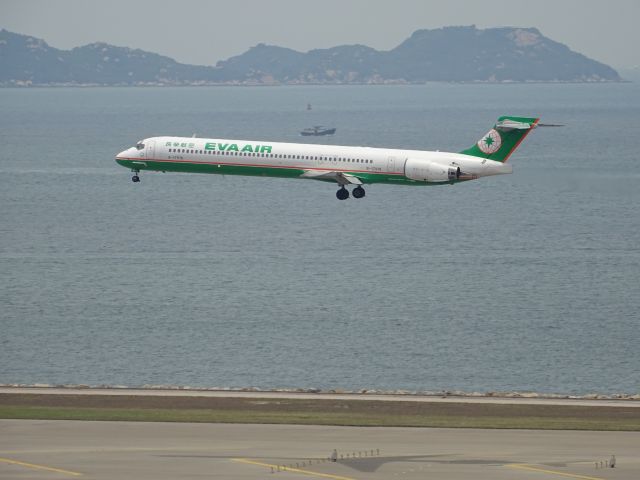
(58, 449)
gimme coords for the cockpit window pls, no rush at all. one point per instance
(139, 146)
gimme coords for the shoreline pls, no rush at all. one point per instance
(618, 399)
(344, 409)
(309, 84)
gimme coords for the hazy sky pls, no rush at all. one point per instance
(203, 32)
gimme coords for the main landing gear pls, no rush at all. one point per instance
(343, 193)
(135, 178)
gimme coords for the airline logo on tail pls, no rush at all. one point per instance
(491, 142)
(505, 136)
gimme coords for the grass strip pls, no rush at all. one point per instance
(315, 418)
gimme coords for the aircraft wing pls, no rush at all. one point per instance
(340, 177)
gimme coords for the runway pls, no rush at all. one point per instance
(35, 449)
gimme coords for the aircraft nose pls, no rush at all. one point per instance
(121, 156)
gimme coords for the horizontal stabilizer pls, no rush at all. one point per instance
(509, 124)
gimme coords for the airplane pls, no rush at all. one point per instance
(344, 165)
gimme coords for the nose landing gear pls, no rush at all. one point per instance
(135, 178)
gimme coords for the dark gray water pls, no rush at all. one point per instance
(528, 281)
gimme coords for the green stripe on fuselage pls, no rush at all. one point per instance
(261, 171)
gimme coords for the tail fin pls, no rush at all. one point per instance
(505, 136)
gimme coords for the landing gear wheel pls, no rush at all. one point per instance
(135, 179)
(342, 194)
(358, 192)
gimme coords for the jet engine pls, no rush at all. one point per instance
(425, 171)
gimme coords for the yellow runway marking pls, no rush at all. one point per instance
(40, 467)
(290, 469)
(522, 466)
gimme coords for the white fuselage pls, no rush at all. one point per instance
(370, 165)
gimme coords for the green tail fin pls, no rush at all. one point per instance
(505, 136)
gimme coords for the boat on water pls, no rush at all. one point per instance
(317, 131)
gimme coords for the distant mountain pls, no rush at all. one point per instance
(451, 54)
(30, 61)
(458, 54)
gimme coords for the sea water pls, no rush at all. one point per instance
(528, 281)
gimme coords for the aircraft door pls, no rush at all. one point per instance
(391, 164)
(150, 150)
(396, 164)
